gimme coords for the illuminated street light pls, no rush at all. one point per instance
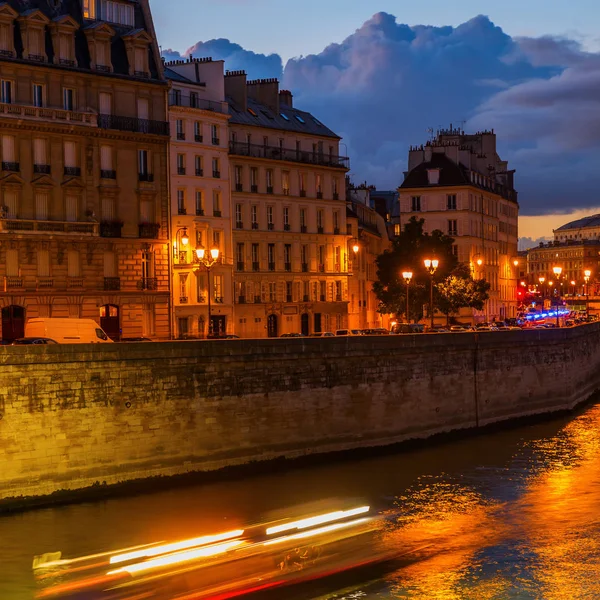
(587, 274)
(208, 263)
(557, 271)
(431, 264)
(407, 276)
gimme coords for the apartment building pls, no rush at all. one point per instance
(369, 238)
(83, 180)
(458, 184)
(291, 262)
(200, 198)
(587, 228)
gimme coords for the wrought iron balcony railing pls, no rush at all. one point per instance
(148, 230)
(72, 171)
(133, 124)
(10, 166)
(39, 226)
(111, 229)
(291, 155)
(148, 283)
(41, 169)
(190, 101)
(112, 284)
(108, 174)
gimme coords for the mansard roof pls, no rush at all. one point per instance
(59, 10)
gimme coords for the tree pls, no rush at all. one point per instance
(459, 290)
(408, 252)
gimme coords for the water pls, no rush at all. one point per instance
(514, 514)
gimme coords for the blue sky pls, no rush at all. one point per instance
(306, 27)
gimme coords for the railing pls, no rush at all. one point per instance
(66, 62)
(187, 101)
(181, 211)
(180, 170)
(199, 172)
(180, 135)
(305, 298)
(45, 113)
(242, 300)
(270, 226)
(36, 57)
(111, 229)
(277, 153)
(148, 177)
(11, 283)
(286, 227)
(216, 141)
(320, 230)
(217, 213)
(240, 265)
(271, 266)
(108, 174)
(254, 225)
(257, 300)
(219, 299)
(305, 267)
(217, 174)
(256, 266)
(322, 297)
(103, 68)
(288, 266)
(321, 268)
(148, 283)
(319, 195)
(239, 187)
(148, 230)
(336, 231)
(302, 193)
(336, 196)
(31, 225)
(112, 284)
(239, 225)
(199, 212)
(198, 138)
(7, 53)
(288, 298)
(303, 229)
(269, 189)
(141, 74)
(44, 283)
(133, 124)
(10, 166)
(41, 169)
(254, 189)
(74, 282)
(72, 171)
(338, 298)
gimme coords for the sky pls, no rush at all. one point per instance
(381, 73)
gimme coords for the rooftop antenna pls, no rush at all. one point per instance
(430, 132)
(462, 123)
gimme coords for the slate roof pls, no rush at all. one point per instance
(591, 221)
(265, 117)
(73, 8)
(450, 173)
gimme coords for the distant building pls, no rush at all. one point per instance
(458, 184)
(587, 228)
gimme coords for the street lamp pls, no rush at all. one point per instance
(181, 241)
(557, 271)
(587, 274)
(208, 262)
(407, 276)
(431, 264)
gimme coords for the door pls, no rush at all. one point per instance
(272, 326)
(217, 326)
(110, 321)
(304, 324)
(13, 323)
(317, 320)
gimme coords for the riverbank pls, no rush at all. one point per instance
(120, 419)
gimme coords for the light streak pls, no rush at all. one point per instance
(313, 532)
(166, 548)
(318, 520)
(179, 557)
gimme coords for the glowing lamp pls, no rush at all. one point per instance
(214, 252)
(479, 261)
(184, 238)
(587, 273)
(355, 248)
(557, 271)
(407, 276)
(200, 253)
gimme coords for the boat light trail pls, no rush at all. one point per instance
(313, 532)
(318, 520)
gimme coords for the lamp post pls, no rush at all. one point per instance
(208, 262)
(515, 265)
(431, 265)
(587, 274)
(557, 271)
(407, 276)
(181, 240)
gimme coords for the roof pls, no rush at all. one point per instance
(450, 173)
(297, 121)
(174, 76)
(72, 8)
(591, 221)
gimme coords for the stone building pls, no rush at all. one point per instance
(458, 184)
(200, 197)
(289, 214)
(83, 180)
(587, 228)
(369, 237)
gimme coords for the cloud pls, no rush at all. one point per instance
(387, 84)
(526, 242)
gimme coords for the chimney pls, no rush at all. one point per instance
(235, 86)
(285, 99)
(265, 91)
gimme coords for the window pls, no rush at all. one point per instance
(270, 223)
(217, 286)
(12, 262)
(238, 216)
(179, 127)
(338, 258)
(318, 186)
(68, 98)
(43, 263)
(239, 255)
(39, 152)
(181, 202)
(302, 182)
(304, 256)
(147, 264)
(285, 183)
(287, 256)
(215, 134)
(254, 216)
(255, 257)
(300, 119)
(303, 218)
(216, 167)
(269, 174)
(198, 131)
(286, 218)
(253, 179)
(216, 203)
(41, 206)
(271, 256)
(6, 87)
(239, 181)
(180, 164)
(335, 188)
(106, 161)
(89, 9)
(452, 227)
(336, 221)
(193, 99)
(397, 229)
(288, 291)
(38, 95)
(199, 202)
(71, 208)
(320, 219)
(322, 258)
(143, 162)
(117, 12)
(416, 204)
(284, 116)
(105, 103)
(183, 277)
(451, 201)
(199, 166)
(73, 264)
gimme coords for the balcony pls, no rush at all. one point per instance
(319, 195)
(65, 62)
(256, 266)
(180, 136)
(7, 53)
(286, 227)
(240, 265)
(44, 283)
(322, 297)
(271, 266)
(38, 226)
(133, 124)
(74, 282)
(148, 283)
(181, 211)
(305, 267)
(44, 113)
(242, 300)
(199, 172)
(239, 225)
(239, 187)
(254, 189)
(320, 230)
(187, 101)
(13, 167)
(180, 170)
(269, 189)
(321, 268)
(219, 299)
(217, 213)
(72, 171)
(303, 229)
(141, 74)
(12, 283)
(112, 284)
(305, 298)
(103, 69)
(288, 298)
(288, 267)
(277, 153)
(216, 141)
(257, 300)
(217, 174)
(270, 226)
(336, 196)
(254, 225)
(148, 230)
(199, 212)
(108, 174)
(302, 193)
(147, 177)
(111, 229)
(41, 169)
(336, 231)
(198, 138)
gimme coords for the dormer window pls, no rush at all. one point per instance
(433, 176)
(7, 17)
(117, 12)
(33, 27)
(136, 46)
(63, 30)
(99, 39)
(89, 9)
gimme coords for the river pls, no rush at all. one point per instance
(509, 514)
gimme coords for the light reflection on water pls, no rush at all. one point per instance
(514, 514)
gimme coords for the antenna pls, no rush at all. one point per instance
(430, 132)
(462, 123)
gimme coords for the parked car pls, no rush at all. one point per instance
(67, 331)
(376, 331)
(349, 332)
(136, 339)
(322, 334)
(407, 328)
(294, 335)
(33, 340)
(457, 329)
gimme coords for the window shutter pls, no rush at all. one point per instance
(147, 211)
(142, 106)
(106, 162)
(39, 151)
(70, 154)
(105, 103)
(12, 263)
(10, 201)
(8, 148)
(108, 209)
(140, 63)
(101, 54)
(110, 264)
(71, 212)
(41, 206)
(43, 263)
(73, 268)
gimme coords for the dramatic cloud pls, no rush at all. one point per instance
(387, 84)
(526, 242)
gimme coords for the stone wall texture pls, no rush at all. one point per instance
(72, 416)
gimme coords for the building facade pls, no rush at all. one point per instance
(369, 237)
(200, 198)
(291, 262)
(458, 184)
(84, 225)
(587, 228)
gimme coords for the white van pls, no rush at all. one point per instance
(67, 331)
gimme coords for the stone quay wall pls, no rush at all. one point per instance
(75, 416)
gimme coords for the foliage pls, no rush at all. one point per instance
(458, 291)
